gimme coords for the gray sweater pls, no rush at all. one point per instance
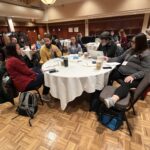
(137, 66)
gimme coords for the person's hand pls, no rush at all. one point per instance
(33, 47)
(106, 58)
(54, 49)
(128, 79)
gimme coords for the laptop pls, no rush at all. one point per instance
(94, 54)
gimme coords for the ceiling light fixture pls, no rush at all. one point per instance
(48, 2)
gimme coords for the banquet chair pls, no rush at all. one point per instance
(130, 100)
(7, 90)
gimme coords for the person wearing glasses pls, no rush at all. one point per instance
(135, 63)
(108, 47)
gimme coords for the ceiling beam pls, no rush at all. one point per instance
(28, 1)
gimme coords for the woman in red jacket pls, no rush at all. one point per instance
(24, 78)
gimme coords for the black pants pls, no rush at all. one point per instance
(38, 82)
(124, 88)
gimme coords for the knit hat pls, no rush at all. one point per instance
(105, 35)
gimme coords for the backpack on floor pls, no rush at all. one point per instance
(110, 118)
(28, 105)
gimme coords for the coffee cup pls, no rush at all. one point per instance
(86, 54)
(80, 54)
(98, 64)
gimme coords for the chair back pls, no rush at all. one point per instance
(8, 87)
(144, 84)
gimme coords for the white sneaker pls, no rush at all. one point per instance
(109, 102)
(46, 98)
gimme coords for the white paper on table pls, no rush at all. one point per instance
(88, 64)
(111, 64)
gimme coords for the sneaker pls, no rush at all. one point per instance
(109, 102)
(46, 98)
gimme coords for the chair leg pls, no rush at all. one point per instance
(40, 96)
(132, 105)
(143, 97)
(133, 110)
(128, 126)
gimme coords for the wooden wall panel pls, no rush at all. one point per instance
(4, 29)
(32, 36)
(31, 32)
(131, 24)
(41, 31)
(61, 29)
(25, 29)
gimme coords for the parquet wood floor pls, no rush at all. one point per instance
(73, 129)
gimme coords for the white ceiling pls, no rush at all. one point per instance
(38, 4)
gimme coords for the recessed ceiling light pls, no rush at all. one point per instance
(48, 2)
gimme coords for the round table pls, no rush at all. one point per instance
(70, 82)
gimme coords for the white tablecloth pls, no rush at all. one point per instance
(70, 82)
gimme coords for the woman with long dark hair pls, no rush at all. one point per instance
(135, 63)
(24, 78)
(74, 47)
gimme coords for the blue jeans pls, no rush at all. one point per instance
(38, 82)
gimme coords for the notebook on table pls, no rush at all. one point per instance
(94, 54)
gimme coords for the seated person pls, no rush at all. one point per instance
(114, 37)
(135, 63)
(24, 79)
(2, 56)
(79, 40)
(58, 44)
(107, 46)
(21, 53)
(39, 42)
(74, 47)
(22, 42)
(49, 50)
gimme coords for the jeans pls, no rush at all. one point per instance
(38, 82)
(124, 88)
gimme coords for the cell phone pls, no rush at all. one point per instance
(93, 62)
(53, 70)
(107, 67)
